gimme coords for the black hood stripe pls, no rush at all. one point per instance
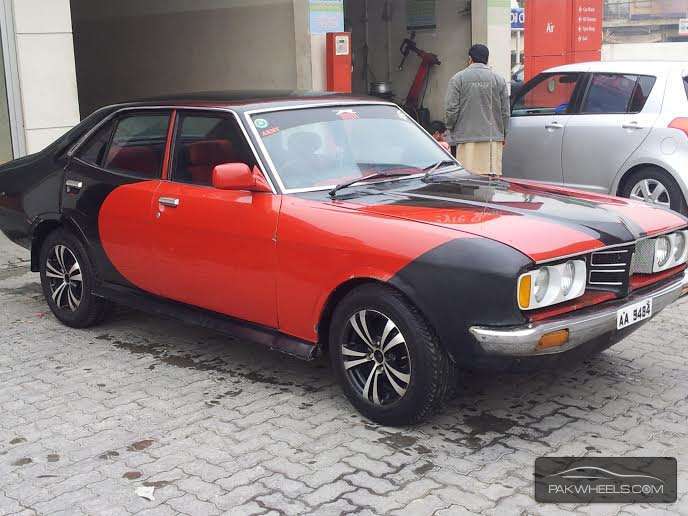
(609, 234)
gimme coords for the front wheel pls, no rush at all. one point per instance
(68, 279)
(655, 186)
(386, 357)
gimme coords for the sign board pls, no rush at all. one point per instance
(683, 27)
(587, 25)
(326, 16)
(518, 18)
(420, 15)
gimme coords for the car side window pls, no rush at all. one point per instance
(611, 93)
(138, 145)
(204, 141)
(93, 151)
(549, 94)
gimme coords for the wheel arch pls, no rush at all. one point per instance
(43, 227)
(335, 297)
(624, 175)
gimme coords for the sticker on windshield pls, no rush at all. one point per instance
(261, 123)
(269, 132)
(347, 114)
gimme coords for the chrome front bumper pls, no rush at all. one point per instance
(583, 325)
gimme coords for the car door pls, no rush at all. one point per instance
(214, 248)
(109, 185)
(539, 115)
(616, 114)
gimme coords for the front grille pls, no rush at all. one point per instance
(610, 270)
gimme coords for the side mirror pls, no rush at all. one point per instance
(239, 176)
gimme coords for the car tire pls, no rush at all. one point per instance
(657, 182)
(68, 278)
(387, 358)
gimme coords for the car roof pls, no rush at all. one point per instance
(248, 100)
(639, 67)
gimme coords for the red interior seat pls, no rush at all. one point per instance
(143, 160)
(204, 156)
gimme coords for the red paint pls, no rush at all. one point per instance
(590, 298)
(127, 234)
(639, 281)
(216, 250)
(338, 62)
(522, 233)
(559, 32)
(323, 245)
(681, 124)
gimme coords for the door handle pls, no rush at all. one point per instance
(172, 202)
(632, 125)
(554, 125)
(73, 186)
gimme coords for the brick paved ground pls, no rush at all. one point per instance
(215, 425)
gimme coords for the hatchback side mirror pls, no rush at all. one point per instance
(239, 176)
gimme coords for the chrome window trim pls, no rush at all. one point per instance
(76, 147)
(249, 113)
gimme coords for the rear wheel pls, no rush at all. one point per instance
(387, 359)
(67, 279)
(655, 186)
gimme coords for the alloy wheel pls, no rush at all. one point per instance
(651, 191)
(65, 279)
(376, 358)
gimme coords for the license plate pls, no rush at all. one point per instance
(633, 314)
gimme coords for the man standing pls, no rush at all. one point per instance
(477, 113)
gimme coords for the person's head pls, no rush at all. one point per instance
(478, 54)
(437, 129)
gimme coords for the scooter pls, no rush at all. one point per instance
(413, 104)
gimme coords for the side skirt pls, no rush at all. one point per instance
(265, 336)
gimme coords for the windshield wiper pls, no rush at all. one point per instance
(375, 175)
(430, 169)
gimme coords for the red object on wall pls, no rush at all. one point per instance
(338, 51)
(560, 32)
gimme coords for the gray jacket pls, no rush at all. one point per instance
(477, 106)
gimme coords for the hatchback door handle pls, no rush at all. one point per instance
(632, 125)
(73, 186)
(554, 125)
(172, 202)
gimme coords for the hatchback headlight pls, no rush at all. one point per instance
(670, 251)
(551, 285)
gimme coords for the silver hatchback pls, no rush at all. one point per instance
(609, 127)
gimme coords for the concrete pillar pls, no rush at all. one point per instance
(304, 73)
(47, 75)
(491, 26)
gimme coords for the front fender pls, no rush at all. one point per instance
(464, 282)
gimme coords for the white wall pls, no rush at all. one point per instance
(130, 49)
(45, 63)
(645, 51)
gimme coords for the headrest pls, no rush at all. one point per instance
(304, 142)
(211, 152)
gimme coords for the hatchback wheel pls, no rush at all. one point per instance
(67, 279)
(386, 357)
(655, 186)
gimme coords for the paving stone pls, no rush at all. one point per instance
(236, 429)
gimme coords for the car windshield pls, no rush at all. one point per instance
(322, 147)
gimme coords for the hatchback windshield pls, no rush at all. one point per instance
(322, 147)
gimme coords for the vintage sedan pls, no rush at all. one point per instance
(326, 223)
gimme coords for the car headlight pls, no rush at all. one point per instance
(670, 251)
(552, 284)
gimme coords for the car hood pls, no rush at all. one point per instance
(541, 221)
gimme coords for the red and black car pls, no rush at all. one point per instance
(313, 223)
